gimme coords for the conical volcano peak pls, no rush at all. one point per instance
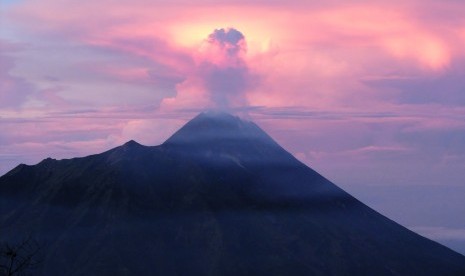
(217, 126)
(217, 114)
(220, 119)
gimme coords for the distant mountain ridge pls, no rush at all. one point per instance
(219, 197)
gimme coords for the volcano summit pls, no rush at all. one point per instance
(220, 197)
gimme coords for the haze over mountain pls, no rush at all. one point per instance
(220, 197)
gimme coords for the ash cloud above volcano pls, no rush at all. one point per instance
(223, 69)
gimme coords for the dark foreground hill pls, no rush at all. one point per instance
(219, 197)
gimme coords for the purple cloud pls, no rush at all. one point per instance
(446, 88)
(14, 91)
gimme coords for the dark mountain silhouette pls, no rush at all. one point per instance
(219, 197)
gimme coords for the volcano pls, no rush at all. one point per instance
(219, 197)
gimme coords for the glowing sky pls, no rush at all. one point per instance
(369, 93)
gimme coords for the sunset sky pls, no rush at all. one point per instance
(371, 94)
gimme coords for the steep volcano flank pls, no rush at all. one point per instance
(229, 149)
(219, 197)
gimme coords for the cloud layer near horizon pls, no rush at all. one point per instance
(353, 88)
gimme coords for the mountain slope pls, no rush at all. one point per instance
(219, 197)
